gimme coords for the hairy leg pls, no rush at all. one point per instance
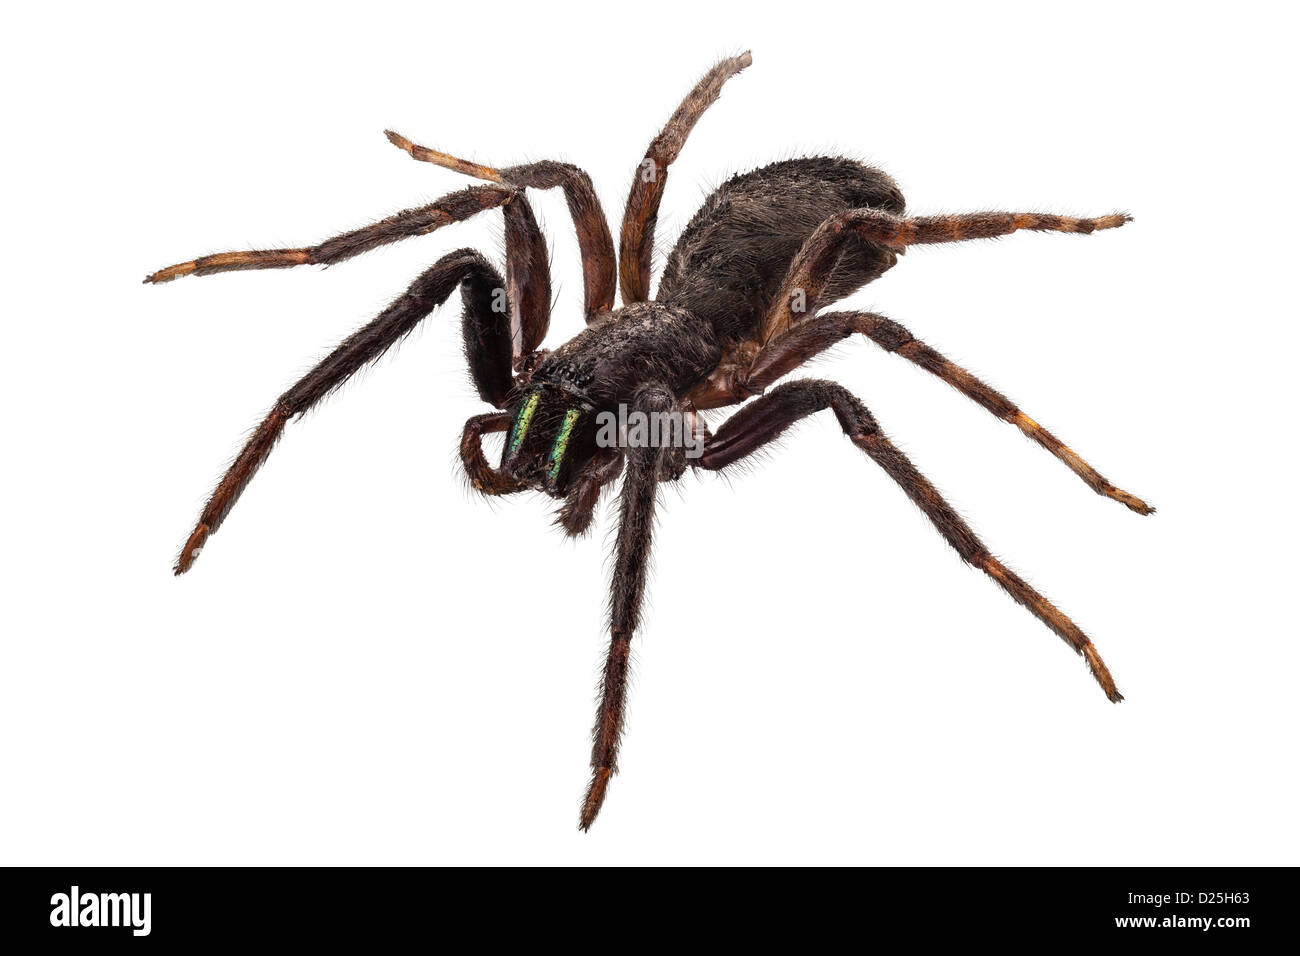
(766, 418)
(528, 280)
(580, 506)
(631, 566)
(800, 292)
(636, 243)
(453, 207)
(491, 370)
(482, 476)
(594, 240)
(798, 344)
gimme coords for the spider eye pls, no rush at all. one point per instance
(519, 427)
(561, 443)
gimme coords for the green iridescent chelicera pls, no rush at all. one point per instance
(562, 441)
(521, 422)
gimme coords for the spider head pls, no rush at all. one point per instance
(551, 439)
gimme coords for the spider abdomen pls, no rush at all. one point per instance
(730, 260)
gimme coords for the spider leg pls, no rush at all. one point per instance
(798, 344)
(636, 242)
(453, 207)
(485, 478)
(631, 564)
(580, 506)
(594, 240)
(812, 267)
(764, 419)
(528, 281)
(488, 350)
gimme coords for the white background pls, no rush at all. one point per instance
(371, 665)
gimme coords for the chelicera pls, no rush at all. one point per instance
(739, 305)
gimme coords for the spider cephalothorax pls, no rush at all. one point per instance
(737, 308)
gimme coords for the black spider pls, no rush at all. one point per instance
(737, 309)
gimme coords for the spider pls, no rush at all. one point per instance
(737, 308)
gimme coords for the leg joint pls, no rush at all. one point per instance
(888, 334)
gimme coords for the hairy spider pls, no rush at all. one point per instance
(737, 309)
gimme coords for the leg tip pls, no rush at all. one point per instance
(171, 272)
(574, 522)
(595, 797)
(1101, 673)
(190, 553)
(1132, 502)
(398, 140)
